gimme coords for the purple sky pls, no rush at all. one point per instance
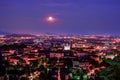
(74, 16)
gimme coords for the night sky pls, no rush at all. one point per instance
(72, 16)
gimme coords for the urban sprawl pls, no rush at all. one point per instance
(59, 57)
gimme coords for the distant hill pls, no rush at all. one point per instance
(19, 35)
(4, 33)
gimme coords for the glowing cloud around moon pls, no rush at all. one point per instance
(51, 19)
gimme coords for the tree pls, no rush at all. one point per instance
(112, 72)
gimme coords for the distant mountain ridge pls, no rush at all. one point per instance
(8, 34)
(19, 35)
(4, 33)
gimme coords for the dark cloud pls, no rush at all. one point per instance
(56, 4)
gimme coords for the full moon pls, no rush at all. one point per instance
(51, 19)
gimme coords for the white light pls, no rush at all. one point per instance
(50, 18)
(66, 47)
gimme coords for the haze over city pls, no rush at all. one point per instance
(60, 16)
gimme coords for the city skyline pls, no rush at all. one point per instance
(72, 16)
